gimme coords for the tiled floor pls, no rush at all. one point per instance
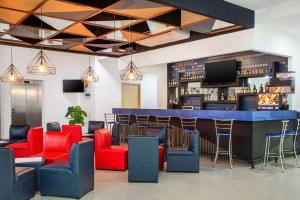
(221, 183)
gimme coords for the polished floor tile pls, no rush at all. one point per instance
(221, 182)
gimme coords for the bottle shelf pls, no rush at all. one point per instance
(191, 80)
(220, 102)
(191, 95)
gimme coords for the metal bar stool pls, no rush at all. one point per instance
(142, 122)
(223, 129)
(124, 125)
(164, 121)
(110, 120)
(292, 151)
(188, 125)
(280, 136)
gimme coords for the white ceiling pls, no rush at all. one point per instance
(256, 4)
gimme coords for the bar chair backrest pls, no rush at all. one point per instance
(188, 123)
(124, 119)
(109, 118)
(142, 120)
(223, 126)
(285, 124)
(163, 120)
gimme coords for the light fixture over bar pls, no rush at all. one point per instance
(131, 73)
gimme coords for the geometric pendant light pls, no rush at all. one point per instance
(89, 76)
(11, 74)
(40, 64)
(131, 72)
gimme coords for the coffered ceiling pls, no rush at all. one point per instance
(109, 27)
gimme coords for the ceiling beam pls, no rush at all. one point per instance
(217, 9)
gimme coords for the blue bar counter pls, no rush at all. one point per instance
(252, 116)
(248, 133)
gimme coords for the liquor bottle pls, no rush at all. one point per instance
(222, 97)
(254, 90)
(267, 88)
(261, 89)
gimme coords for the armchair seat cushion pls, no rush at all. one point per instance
(24, 172)
(18, 145)
(180, 153)
(52, 156)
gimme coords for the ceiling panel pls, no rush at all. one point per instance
(11, 16)
(106, 27)
(24, 5)
(140, 8)
(111, 20)
(65, 10)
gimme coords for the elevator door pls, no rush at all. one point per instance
(26, 103)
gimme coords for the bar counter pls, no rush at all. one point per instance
(248, 135)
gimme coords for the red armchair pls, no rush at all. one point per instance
(76, 132)
(33, 145)
(107, 156)
(56, 146)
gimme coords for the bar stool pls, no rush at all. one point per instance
(223, 129)
(110, 120)
(165, 122)
(280, 136)
(294, 134)
(188, 125)
(142, 122)
(124, 123)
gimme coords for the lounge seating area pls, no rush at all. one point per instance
(149, 99)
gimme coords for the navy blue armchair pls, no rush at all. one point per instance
(16, 183)
(115, 134)
(93, 126)
(185, 160)
(161, 133)
(17, 133)
(53, 127)
(70, 179)
(143, 160)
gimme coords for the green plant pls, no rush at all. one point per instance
(76, 115)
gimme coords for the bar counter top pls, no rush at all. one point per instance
(253, 116)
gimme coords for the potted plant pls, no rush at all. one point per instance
(76, 115)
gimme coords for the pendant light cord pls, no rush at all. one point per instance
(130, 45)
(11, 48)
(41, 27)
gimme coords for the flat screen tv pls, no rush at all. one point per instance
(73, 86)
(221, 72)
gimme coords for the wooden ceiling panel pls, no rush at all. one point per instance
(188, 18)
(140, 8)
(79, 29)
(133, 36)
(65, 10)
(80, 48)
(102, 27)
(24, 5)
(11, 16)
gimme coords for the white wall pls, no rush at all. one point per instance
(108, 90)
(55, 102)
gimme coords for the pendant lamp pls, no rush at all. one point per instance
(131, 72)
(41, 64)
(11, 74)
(89, 76)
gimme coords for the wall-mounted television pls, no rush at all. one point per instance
(221, 72)
(73, 86)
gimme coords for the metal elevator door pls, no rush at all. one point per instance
(26, 99)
